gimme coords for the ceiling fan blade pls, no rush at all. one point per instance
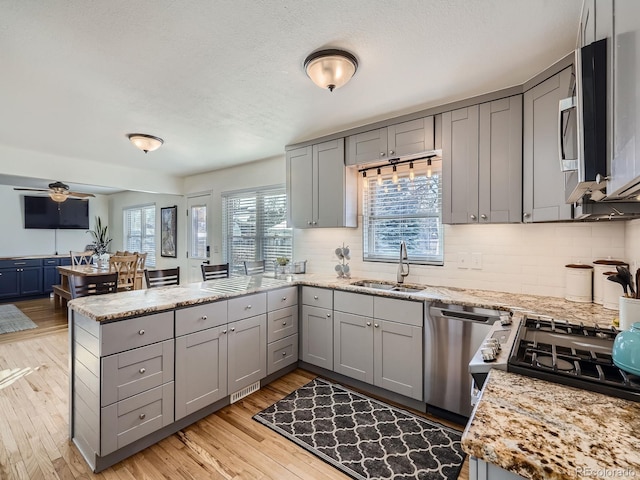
(81, 195)
(31, 189)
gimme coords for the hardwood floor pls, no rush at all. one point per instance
(34, 440)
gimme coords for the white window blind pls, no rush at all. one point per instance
(255, 227)
(409, 210)
(140, 231)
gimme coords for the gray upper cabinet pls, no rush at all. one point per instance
(460, 165)
(394, 141)
(500, 175)
(322, 191)
(482, 163)
(587, 33)
(543, 184)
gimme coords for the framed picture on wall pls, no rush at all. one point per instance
(168, 229)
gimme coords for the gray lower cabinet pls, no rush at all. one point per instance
(123, 381)
(316, 341)
(321, 191)
(247, 353)
(543, 184)
(282, 328)
(379, 340)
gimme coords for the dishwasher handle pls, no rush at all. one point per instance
(464, 316)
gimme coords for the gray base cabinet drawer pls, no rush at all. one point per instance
(282, 323)
(200, 317)
(247, 306)
(355, 303)
(282, 298)
(117, 337)
(282, 353)
(317, 297)
(396, 310)
(129, 420)
(129, 373)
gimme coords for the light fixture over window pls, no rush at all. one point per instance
(330, 68)
(146, 143)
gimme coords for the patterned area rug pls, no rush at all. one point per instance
(13, 320)
(363, 437)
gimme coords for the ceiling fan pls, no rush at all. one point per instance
(58, 192)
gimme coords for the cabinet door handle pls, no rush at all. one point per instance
(368, 324)
(382, 154)
(233, 329)
(472, 217)
(309, 222)
(284, 299)
(284, 323)
(141, 332)
(328, 314)
(315, 297)
(314, 223)
(376, 325)
(204, 317)
(483, 216)
(391, 152)
(284, 354)
(224, 332)
(142, 416)
(248, 307)
(525, 215)
(142, 370)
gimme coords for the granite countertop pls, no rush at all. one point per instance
(139, 302)
(543, 430)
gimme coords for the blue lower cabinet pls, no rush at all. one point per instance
(9, 282)
(21, 278)
(50, 275)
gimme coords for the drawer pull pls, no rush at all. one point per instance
(315, 297)
(284, 299)
(142, 416)
(233, 329)
(284, 323)
(328, 314)
(20, 263)
(368, 324)
(376, 325)
(142, 370)
(248, 307)
(224, 332)
(284, 354)
(204, 317)
(141, 332)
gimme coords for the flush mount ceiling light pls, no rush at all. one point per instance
(146, 143)
(330, 68)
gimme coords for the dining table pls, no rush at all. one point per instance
(62, 292)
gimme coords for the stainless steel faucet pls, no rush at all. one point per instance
(402, 263)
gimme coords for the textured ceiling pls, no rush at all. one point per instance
(222, 81)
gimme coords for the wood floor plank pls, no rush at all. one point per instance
(227, 445)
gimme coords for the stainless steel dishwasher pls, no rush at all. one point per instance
(452, 334)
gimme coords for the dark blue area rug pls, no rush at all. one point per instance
(363, 437)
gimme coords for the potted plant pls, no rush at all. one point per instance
(101, 243)
(280, 265)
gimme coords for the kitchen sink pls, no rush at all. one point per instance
(389, 287)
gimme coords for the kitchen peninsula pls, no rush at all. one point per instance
(137, 335)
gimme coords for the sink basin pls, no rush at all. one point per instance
(389, 287)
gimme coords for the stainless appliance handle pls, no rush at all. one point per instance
(464, 316)
(565, 106)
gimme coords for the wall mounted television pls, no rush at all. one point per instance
(42, 212)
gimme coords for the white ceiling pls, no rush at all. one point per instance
(222, 82)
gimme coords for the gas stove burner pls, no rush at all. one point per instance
(547, 362)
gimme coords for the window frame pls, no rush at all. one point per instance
(369, 219)
(151, 260)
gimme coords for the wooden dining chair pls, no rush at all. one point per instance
(125, 266)
(162, 278)
(85, 285)
(81, 258)
(254, 267)
(212, 272)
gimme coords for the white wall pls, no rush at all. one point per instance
(16, 241)
(119, 201)
(271, 171)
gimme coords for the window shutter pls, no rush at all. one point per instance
(139, 231)
(409, 210)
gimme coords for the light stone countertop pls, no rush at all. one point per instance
(543, 430)
(140, 302)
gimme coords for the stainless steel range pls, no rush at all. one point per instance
(571, 354)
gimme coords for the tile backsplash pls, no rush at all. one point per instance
(515, 258)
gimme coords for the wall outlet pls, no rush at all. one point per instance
(463, 260)
(476, 261)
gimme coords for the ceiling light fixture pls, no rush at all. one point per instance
(146, 143)
(58, 196)
(330, 68)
